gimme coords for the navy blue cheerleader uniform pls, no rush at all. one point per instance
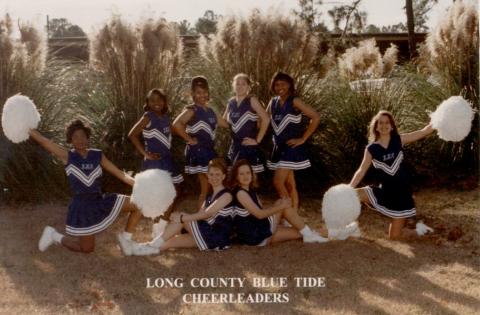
(393, 197)
(90, 211)
(248, 229)
(287, 124)
(202, 127)
(243, 123)
(157, 137)
(214, 232)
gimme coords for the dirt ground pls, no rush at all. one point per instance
(370, 275)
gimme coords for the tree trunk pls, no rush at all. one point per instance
(410, 27)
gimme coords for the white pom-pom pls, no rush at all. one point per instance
(340, 206)
(453, 119)
(153, 192)
(19, 116)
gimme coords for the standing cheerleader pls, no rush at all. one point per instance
(208, 229)
(289, 135)
(154, 126)
(393, 197)
(242, 113)
(256, 226)
(196, 125)
(90, 211)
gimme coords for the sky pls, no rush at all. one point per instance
(90, 15)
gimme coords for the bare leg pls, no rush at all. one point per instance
(134, 216)
(82, 244)
(285, 234)
(291, 215)
(180, 241)
(292, 189)
(173, 206)
(202, 178)
(362, 195)
(279, 182)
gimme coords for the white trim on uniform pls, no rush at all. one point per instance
(225, 212)
(390, 170)
(388, 212)
(287, 119)
(242, 120)
(177, 179)
(200, 125)
(90, 230)
(195, 169)
(197, 236)
(156, 134)
(87, 180)
(289, 165)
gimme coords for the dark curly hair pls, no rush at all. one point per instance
(75, 125)
(282, 76)
(160, 93)
(233, 183)
(199, 81)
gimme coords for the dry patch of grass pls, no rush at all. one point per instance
(370, 275)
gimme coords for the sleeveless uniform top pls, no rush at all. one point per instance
(242, 119)
(286, 120)
(84, 173)
(202, 125)
(157, 134)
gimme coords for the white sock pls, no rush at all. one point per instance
(305, 231)
(57, 237)
(157, 242)
(127, 235)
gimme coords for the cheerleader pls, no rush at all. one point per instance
(393, 197)
(243, 112)
(256, 226)
(154, 126)
(90, 211)
(208, 229)
(289, 135)
(196, 124)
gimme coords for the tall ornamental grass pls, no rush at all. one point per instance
(27, 172)
(126, 62)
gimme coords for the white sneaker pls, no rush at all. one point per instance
(158, 228)
(46, 239)
(422, 229)
(125, 245)
(144, 249)
(314, 237)
(342, 234)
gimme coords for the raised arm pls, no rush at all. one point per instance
(253, 209)
(416, 135)
(58, 151)
(314, 121)
(179, 125)
(264, 118)
(362, 170)
(211, 210)
(112, 169)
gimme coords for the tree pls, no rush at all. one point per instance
(311, 15)
(207, 24)
(349, 16)
(416, 19)
(63, 28)
(185, 28)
